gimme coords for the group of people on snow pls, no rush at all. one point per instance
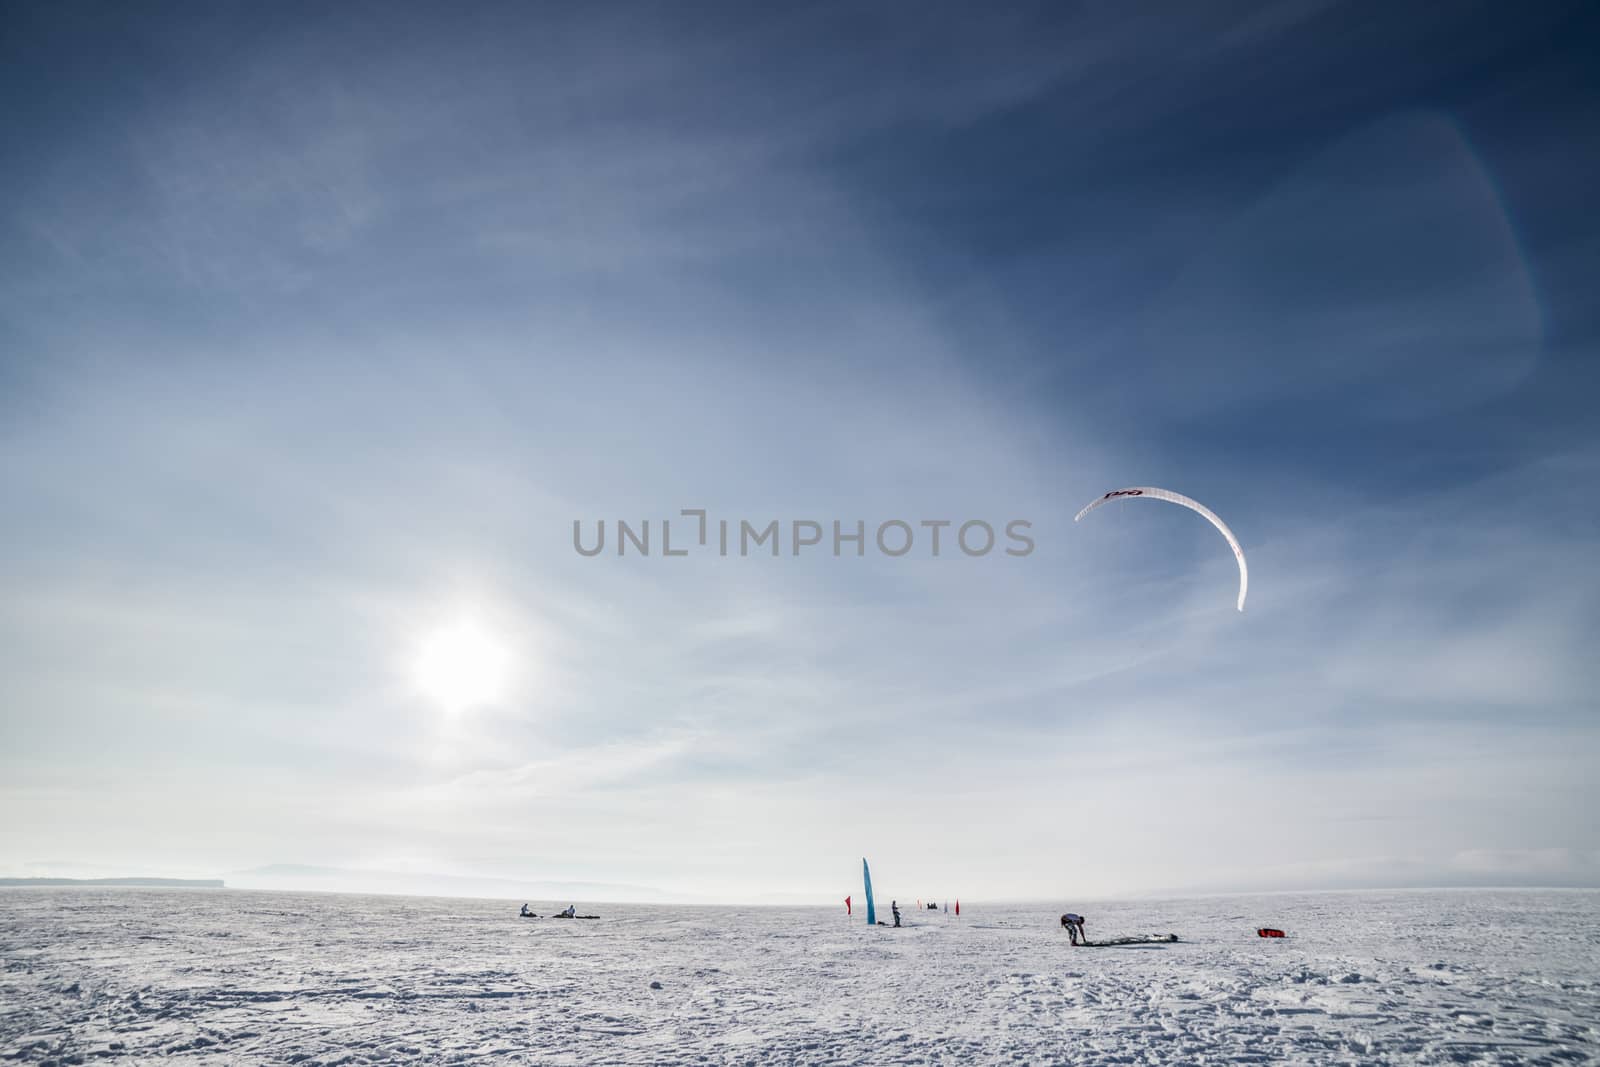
(570, 913)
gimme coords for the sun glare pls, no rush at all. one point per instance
(462, 666)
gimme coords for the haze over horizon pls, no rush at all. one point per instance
(322, 327)
(296, 878)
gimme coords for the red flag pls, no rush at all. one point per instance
(958, 908)
(847, 910)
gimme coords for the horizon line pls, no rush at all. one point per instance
(201, 885)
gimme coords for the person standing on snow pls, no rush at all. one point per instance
(1074, 925)
(894, 908)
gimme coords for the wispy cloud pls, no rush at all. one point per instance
(315, 357)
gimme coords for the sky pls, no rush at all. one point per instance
(322, 327)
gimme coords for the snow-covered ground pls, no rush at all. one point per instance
(238, 977)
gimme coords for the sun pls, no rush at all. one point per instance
(462, 666)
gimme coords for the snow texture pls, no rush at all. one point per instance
(1448, 977)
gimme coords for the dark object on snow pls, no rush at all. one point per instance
(1267, 931)
(1142, 939)
(933, 907)
(558, 915)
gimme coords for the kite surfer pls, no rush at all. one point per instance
(1074, 924)
(894, 909)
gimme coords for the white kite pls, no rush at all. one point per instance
(1193, 505)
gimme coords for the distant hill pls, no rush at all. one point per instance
(184, 883)
(300, 878)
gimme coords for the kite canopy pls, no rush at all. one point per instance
(1170, 497)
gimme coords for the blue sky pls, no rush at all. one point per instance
(319, 329)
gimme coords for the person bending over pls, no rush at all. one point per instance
(1074, 925)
